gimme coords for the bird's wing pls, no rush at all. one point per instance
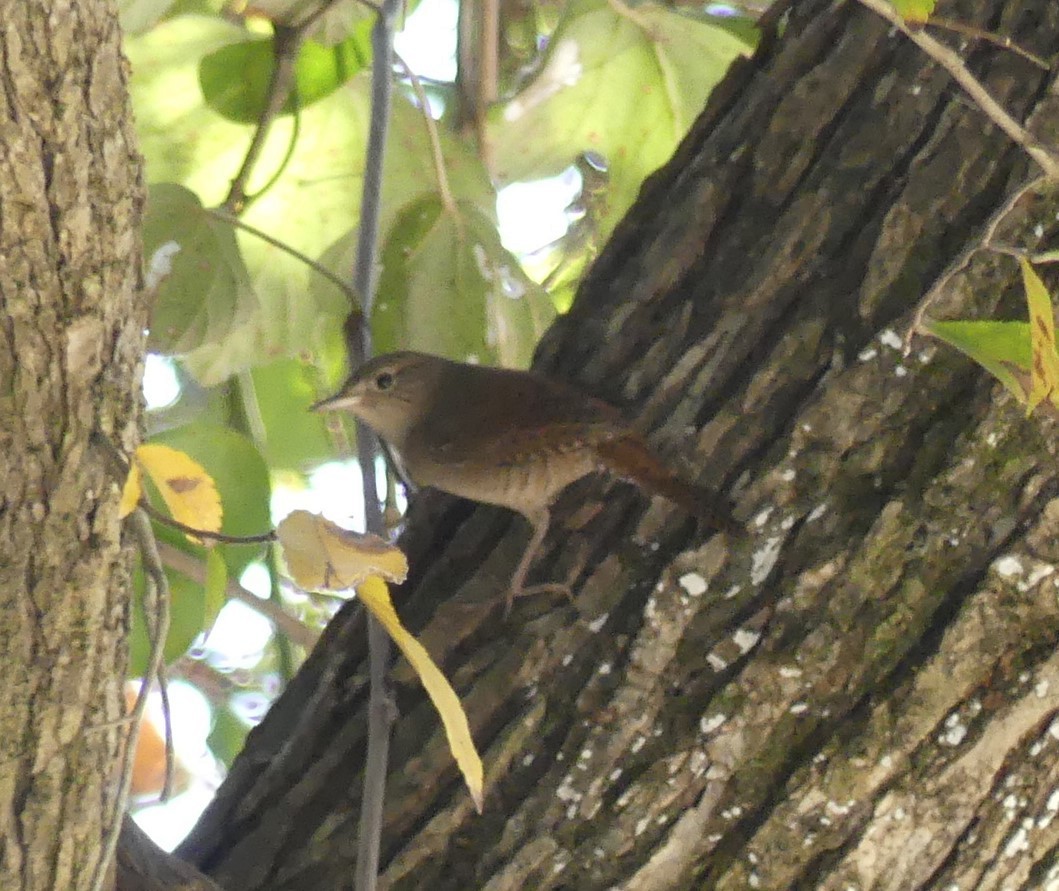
(527, 418)
(513, 446)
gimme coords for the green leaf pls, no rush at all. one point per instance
(305, 209)
(295, 438)
(1002, 348)
(184, 140)
(449, 287)
(330, 26)
(181, 138)
(409, 175)
(215, 589)
(242, 479)
(186, 620)
(227, 735)
(737, 23)
(235, 78)
(914, 10)
(205, 297)
(139, 15)
(624, 82)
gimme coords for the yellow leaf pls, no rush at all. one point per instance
(130, 494)
(375, 596)
(324, 557)
(1044, 369)
(188, 491)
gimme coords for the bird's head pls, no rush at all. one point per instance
(389, 393)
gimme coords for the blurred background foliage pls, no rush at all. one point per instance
(541, 121)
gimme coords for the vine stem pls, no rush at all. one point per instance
(316, 267)
(157, 583)
(358, 344)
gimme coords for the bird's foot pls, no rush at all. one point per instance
(532, 590)
(565, 587)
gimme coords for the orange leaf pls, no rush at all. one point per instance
(148, 765)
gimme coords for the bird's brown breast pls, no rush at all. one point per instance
(519, 476)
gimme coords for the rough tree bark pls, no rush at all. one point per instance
(862, 695)
(71, 346)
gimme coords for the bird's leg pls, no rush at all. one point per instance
(540, 520)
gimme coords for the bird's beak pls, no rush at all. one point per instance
(339, 402)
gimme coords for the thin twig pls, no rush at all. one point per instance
(488, 75)
(952, 63)
(964, 257)
(156, 514)
(167, 723)
(633, 15)
(1044, 257)
(365, 273)
(321, 270)
(448, 202)
(286, 43)
(283, 644)
(292, 145)
(158, 586)
(215, 685)
(996, 39)
(305, 24)
(285, 623)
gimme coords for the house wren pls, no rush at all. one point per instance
(510, 438)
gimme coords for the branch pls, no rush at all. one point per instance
(952, 63)
(286, 42)
(167, 718)
(286, 624)
(477, 68)
(166, 520)
(488, 85)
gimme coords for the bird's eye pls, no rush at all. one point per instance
(384, 381)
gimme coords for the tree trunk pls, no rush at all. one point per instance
(72, 318)
(864, 693)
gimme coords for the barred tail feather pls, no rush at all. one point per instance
(630, 458)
